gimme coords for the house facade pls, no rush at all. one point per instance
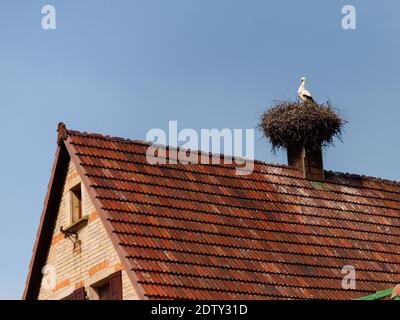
(116, 227)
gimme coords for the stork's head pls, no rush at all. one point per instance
(303, 79)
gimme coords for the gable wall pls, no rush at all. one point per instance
(68, 268)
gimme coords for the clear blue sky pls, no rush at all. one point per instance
(124, 67)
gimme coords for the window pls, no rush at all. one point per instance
(108, 289)
(76, 203)
(102, 291)
(78, 294)
(77, 220)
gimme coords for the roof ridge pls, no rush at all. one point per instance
(168, 147)
(353, 176)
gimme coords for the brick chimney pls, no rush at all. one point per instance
(308, 161)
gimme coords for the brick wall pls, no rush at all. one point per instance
(72, 266)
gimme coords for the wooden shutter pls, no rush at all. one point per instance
(115, 286)
(79, 294)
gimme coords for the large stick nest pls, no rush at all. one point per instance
(309, 124)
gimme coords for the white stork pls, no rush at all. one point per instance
(303, 93)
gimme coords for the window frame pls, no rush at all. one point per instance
(75, 200)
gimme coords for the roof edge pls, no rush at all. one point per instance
(104, 218)
(46, 224)
(64, 133)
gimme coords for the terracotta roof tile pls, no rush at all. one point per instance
(202, 232)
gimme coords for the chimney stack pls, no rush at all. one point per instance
(307, 160)
(303, 129)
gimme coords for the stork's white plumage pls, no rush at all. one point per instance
(303, 93)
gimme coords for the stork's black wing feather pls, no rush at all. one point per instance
(309, 98)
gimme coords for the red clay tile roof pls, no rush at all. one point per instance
(202, 232)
